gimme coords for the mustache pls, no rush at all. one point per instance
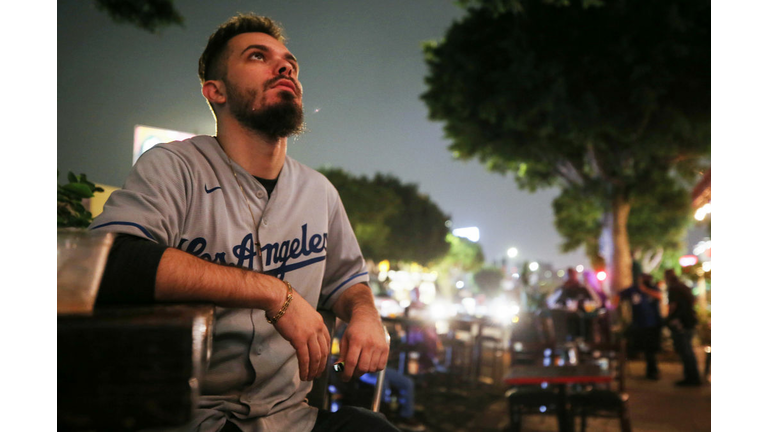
(274, 80)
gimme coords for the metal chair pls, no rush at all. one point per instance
(320, 395)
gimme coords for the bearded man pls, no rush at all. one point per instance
(232, 220)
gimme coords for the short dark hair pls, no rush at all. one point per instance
(210, 65)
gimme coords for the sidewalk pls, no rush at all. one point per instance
(655, 406)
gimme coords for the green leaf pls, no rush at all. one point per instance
(80, 190)
(72, 178)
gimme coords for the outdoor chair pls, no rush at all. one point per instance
(530, 400)
(320, 395)
(458, 347)
(488, 341)
(605, 401)
(530, 344)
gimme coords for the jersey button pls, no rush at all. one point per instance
(259, 194)
(264, 222)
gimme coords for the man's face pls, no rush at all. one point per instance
(262, 86)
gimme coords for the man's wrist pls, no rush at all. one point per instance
(284, 308)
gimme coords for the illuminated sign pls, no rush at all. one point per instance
(146, 137)
(470, 233)
(688, 260)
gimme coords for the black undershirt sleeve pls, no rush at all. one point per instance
(129, 276)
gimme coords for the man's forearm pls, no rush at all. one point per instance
(182, 277)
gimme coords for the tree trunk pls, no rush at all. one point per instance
(621, 262)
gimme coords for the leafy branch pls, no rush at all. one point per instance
(70, 211)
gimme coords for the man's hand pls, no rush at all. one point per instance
(364, 347)
(304, 328)
(365, 343)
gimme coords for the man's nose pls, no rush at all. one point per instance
(285, 69)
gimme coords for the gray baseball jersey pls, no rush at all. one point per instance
(183, 194)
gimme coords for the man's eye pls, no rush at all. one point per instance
(257, 56)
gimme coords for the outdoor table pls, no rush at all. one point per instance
(131, 367)
(560, 376)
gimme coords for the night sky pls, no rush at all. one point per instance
(362, 70)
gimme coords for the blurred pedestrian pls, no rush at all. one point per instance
(572, 291)
(403, 388)
(681, 321)
(569, 304)
(644, 331)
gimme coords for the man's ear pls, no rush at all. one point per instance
(215, 92)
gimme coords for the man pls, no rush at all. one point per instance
(232, 220)
(682, 321)
(573, 290)
(646, 320)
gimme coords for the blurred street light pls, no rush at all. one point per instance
(512, 252)
(533, 266)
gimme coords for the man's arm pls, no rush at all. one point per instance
(593, 295)
(649, 291)
(365, 343)
(182, 277)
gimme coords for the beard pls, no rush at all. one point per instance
(278, 120)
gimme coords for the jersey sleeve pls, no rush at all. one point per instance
(153, 201)
(345, 265)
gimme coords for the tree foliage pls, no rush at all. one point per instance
(612, 101)
(463, 255)
(391, 220)
(149, 15)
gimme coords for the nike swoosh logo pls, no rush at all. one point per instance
(211, 190)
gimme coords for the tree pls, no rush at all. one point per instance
(391, 220)
(149, 15)
(612, 101)
(658, 221)
(368, 207)
(463, 257)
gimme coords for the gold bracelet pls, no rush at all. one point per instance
(288, 299)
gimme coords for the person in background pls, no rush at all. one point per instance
(573, 290)
(569, 302)
(645, 329)
(681, 321)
